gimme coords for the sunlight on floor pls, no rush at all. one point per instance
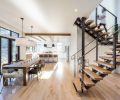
(59, 72)
(46, 74)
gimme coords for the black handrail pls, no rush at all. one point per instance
(108, 11)
(112, 27)
(98, 44)
(81, 49)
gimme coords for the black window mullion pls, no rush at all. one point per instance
(10, 51)
(18, 53)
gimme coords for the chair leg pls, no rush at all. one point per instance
(5, 81)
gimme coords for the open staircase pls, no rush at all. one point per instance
(93, 73)
(92, 29)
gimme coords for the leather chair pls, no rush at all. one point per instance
(35, 70)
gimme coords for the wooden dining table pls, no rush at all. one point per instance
(24, 65)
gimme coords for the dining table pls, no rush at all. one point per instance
(24, 65)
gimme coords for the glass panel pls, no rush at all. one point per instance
(4, 51)
(15, 35)
(105, 17)
(4, 32)
(14, 51)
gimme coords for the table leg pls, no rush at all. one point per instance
(5, 81)
(24, 77)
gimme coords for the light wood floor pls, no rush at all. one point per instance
(55, 83)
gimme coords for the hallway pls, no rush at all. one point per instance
(55, 83)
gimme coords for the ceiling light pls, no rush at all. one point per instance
(76, 10)
(22, 41)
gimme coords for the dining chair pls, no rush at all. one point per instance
(35, 70)
(8, 75)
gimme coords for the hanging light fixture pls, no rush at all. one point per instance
(22, 41)
(32, 43)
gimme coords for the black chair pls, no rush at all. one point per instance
(35, 69)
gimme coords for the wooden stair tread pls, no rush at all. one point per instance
(104, 33)
(87, 81)
(117, 44)
(77, 84)
(93, 25)
(109, 58)
(111, 53)
(98, 29)
(117, 49)
(100, 70)
(105, 64)
(93, 75)
(88, 22)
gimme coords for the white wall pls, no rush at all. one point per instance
(22, 53)
(73, 46)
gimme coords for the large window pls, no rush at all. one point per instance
(4, 32)
(4, 51)
(14, 51)
(15, 35)
(8, 50)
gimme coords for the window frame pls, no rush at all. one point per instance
(10, 40)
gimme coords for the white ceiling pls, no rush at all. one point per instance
(45, 15)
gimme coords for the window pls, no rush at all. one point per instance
(14, 51)
(4, 51)
(4, 32)
(8, 49)
(15, 35)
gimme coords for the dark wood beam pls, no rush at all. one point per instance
(48, 34)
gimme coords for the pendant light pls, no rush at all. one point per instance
(22, 41)
(32, 43)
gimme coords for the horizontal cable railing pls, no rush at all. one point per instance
(108, 11)
(73, 56)
(99, 44)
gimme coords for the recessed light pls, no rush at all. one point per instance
(76, 10)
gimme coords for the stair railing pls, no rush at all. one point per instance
(83, 51)
(115, 40)
(115, 17)
(72, 57)
(83, 58)
(75, 55)
(99, 44)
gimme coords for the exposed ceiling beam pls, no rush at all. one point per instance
(48, 34)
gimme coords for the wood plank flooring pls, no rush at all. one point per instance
(55, 83)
